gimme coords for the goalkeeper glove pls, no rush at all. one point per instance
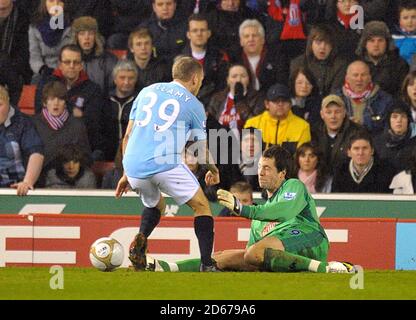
(228, 200)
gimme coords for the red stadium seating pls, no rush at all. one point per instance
(27, 99)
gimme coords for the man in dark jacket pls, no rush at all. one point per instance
(213, 60)
(331, 136)
(10, 79)
(117, 110)
(85, 97)
(321, 59)
(364, 172)
(151, 68)
(14, 41)
(267, 64)
(366, 103)
(168, 30)
(125, 15)
(377, 49)
(21, 149)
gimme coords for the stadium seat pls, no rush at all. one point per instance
(121, 54)
(100, 168)
(27, 99)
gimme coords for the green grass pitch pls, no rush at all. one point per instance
(88, 283)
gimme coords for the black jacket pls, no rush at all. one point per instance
(127, 14)
(10, 79)
(14, 42)
(395, 152)
(334, 150)
(157, 70)
(273, 67)
(215, 66)
(115, 118)
(169, 36)
(377, 179)
(224, 26)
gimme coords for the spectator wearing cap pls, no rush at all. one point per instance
(331, 136)
(398, 139)
(377, 49)
(46, 39)
(278, 124)
(366, 103)
(98, 63)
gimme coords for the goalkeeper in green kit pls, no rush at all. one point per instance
(285, 234)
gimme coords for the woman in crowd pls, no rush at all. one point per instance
(306, 102)
(237, 102)
(48, 33)
(311, 169)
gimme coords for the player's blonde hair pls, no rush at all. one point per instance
(185, 67)
(4, 94)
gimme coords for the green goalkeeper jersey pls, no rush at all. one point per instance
(290, 206)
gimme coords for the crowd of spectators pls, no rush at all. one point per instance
(332, 81)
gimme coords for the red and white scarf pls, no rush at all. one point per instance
(358, 97)
(230, 118)
(55, 123)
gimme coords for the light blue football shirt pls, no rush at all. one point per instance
(166, 116)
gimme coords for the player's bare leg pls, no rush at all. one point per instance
(204, 228)
(232, 260)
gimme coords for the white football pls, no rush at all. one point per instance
(106, 254)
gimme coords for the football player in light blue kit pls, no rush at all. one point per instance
(163, 118)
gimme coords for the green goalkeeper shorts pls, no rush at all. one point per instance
(304, 241)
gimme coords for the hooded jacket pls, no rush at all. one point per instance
(390, 71)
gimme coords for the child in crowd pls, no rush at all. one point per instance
(404, 34)
(71, 170)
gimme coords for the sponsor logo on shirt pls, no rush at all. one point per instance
(289, 195)
(268, 227)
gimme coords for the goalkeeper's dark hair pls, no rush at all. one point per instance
(283, 160)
